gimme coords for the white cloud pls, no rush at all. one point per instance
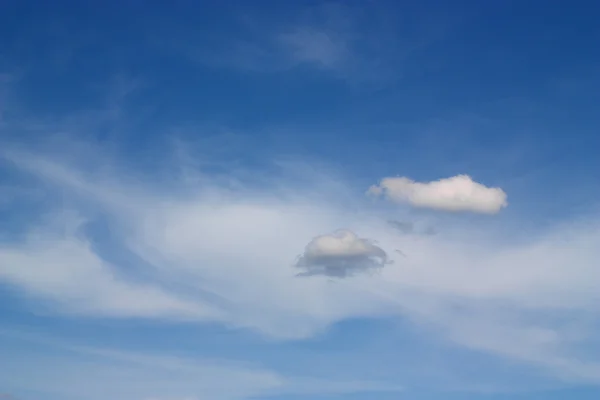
(233, 250)
(458, 193)
(341, 254)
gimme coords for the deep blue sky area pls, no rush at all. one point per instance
(505, 74)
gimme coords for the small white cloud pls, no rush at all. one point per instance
(457, 193)
(341, 254)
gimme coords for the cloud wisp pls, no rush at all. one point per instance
(73, 371)
(455, 194)
(316, 47)
(354, 43)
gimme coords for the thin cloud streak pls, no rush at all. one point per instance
(79, 371)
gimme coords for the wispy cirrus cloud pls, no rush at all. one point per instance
(313, 46)
(59, 267)
(357, 43)
(224, 253)
(71, 371)
(282, 50)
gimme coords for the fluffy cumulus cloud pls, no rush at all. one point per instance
(341, 254)
(458, 193)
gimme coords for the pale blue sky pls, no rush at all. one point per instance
(299, 200)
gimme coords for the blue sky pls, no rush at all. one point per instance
(299, 200)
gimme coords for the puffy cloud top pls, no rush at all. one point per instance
(457, 193)
(340, 254)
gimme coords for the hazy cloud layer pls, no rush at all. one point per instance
(221, 251)
(458, 193)
(70, 371)
(341, 254)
